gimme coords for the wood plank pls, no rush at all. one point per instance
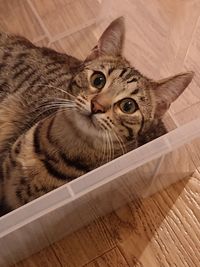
(188, 114)
(109, 259)
(17, 17)
(169, 122)
(84, 245)
(45, 258)
(61, 17)
(76, 44)
(44, 41)
(162, 230)
(182, 30)
(191, 96)
(76, 249)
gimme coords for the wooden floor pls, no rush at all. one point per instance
(162, 39)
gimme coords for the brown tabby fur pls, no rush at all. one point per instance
(49, 132)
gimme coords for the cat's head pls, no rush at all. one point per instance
(115, 99)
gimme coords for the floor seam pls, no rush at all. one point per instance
(99, 256)
(39, 19)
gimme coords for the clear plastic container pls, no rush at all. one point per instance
(139, 173)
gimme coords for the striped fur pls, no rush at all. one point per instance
(55, 125)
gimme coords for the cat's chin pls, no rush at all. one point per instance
(87, 125)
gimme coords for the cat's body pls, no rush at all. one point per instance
(29, 78)
(55, 127)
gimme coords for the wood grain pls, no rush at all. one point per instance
(76, 249)
(161, 230)
(17, 17)
(162, 38)
(63, 17)
(86, 244)
(109, 259)
(70, 44)
(45, 258)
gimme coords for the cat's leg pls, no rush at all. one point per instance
(25, 177)
(4, 208)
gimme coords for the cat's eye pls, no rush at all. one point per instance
(128, 105)
(98, 80)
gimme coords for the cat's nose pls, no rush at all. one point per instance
(96, 107)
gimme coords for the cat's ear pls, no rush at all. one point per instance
(111, 41)
(168, 90)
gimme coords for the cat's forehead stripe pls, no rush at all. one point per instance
(110, 70)
(135, 91)
(123, 72)
(128, 74)
(134, 79)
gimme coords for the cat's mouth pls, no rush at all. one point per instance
(93, 121)
(87, 120)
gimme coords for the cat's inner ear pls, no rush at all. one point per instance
(111, 41)
(168, 90)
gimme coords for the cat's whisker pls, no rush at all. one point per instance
(83, 110)
(57, 105)
(112, 145)
(123, 144)
(47, 104)
(52, 108)
(103, 149)
(109, 147)
(49, 116)
(57, 88)
(41, 113)
(54, 114)
(105, 143)
(111, 152)
(120, 141)
(63, 99)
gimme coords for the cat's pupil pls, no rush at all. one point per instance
(128, 106)
(98, 81)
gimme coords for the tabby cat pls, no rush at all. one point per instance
(61, 117)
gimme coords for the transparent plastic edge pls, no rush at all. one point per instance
(120, 166)
(170, 141)
(34, 210)
(56, 199)
(183, 134)
(158, 147)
